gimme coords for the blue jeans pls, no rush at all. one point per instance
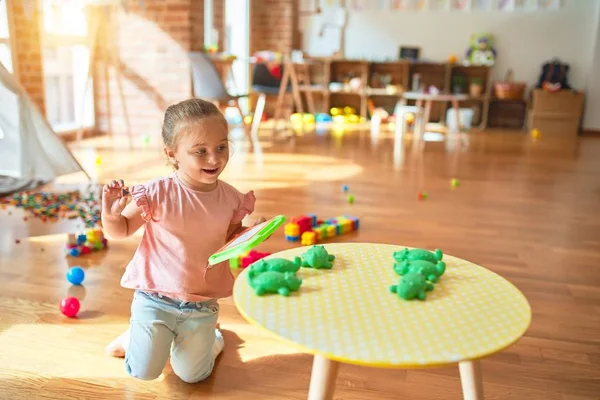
(161, 325)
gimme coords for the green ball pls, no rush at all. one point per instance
(350, 199)
(455, 183)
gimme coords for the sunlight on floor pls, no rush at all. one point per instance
(81, 349)
(246, 170)
(255, 335)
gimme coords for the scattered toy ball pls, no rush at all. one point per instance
(351, 199)
(49, 207)
(535, 133)
(422, 195)
(455, 183)
(69, 306)
(92, 240)
(345, 188)
(75, 275)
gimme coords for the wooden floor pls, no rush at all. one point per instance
(528, 210)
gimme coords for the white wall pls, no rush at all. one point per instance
(524, 40)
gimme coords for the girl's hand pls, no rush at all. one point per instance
(114, 198)
(259, 221)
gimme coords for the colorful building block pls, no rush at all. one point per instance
(304, 222)
(309, 229)
(252, 257)
(309, 238)
(292, 229)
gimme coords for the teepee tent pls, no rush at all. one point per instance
(30, 151)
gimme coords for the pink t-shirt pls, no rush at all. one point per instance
(184, 227)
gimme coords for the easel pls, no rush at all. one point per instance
(298, 75)
(99, 23)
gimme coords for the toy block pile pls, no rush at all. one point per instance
(246, 259)
(92, 240)
(310, 230)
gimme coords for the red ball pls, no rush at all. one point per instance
(85, 250)
(69, 306)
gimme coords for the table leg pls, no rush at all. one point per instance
(456, 115)
(322, 378)
(470, 378)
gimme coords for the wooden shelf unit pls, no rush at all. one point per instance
(402, 73)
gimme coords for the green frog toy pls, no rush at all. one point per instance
(412, 286)
(273, 282)
(418, 254)
(277, 264)
(317, 257)
(429, 270)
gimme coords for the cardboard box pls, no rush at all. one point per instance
(554, 124)
(564, 102)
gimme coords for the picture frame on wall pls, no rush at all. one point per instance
(439, 5)
(482, 5)
(526, 5)
(409, 53)
(407, 5)
(549, 5)
(506, 5)
(460, 5)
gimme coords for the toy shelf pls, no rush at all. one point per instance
(356, 83)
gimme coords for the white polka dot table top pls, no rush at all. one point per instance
(348, 313)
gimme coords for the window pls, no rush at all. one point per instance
(66, 60)
(5, 57)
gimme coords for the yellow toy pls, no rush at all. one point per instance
(308, 238)
(536, 133)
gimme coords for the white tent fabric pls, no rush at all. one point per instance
(30, 151)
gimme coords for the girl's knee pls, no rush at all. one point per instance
(193, 375)
(145, 373)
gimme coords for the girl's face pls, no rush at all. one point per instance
(202, 152)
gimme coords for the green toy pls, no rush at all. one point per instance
(273, 282)
(276, 264)
(317, 257)
(481, 50)
(418, 254)
(246, 240)
(412, 286)
(428, 270)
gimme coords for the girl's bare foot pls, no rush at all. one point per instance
(118, 347)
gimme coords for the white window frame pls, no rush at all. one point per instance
(10, 41)
(53, 41)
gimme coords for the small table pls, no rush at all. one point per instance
(429, 99)
(348, 315)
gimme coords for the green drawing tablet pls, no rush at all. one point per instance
(247, 240)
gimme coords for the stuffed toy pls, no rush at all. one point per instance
(481, 51)
(554, 76)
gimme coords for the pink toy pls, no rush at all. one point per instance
(252, 257)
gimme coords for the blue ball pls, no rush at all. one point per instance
(322, 117)
(74, 252)
(81, 239)
(345, 188)
(75, 275)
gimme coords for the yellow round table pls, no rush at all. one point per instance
(348, 314)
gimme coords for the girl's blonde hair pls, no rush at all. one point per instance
(186, 113)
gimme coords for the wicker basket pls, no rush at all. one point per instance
(509, 90)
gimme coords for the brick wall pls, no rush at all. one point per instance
(197, 22)
(148, 51)
(28, 58)
(273, 25)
